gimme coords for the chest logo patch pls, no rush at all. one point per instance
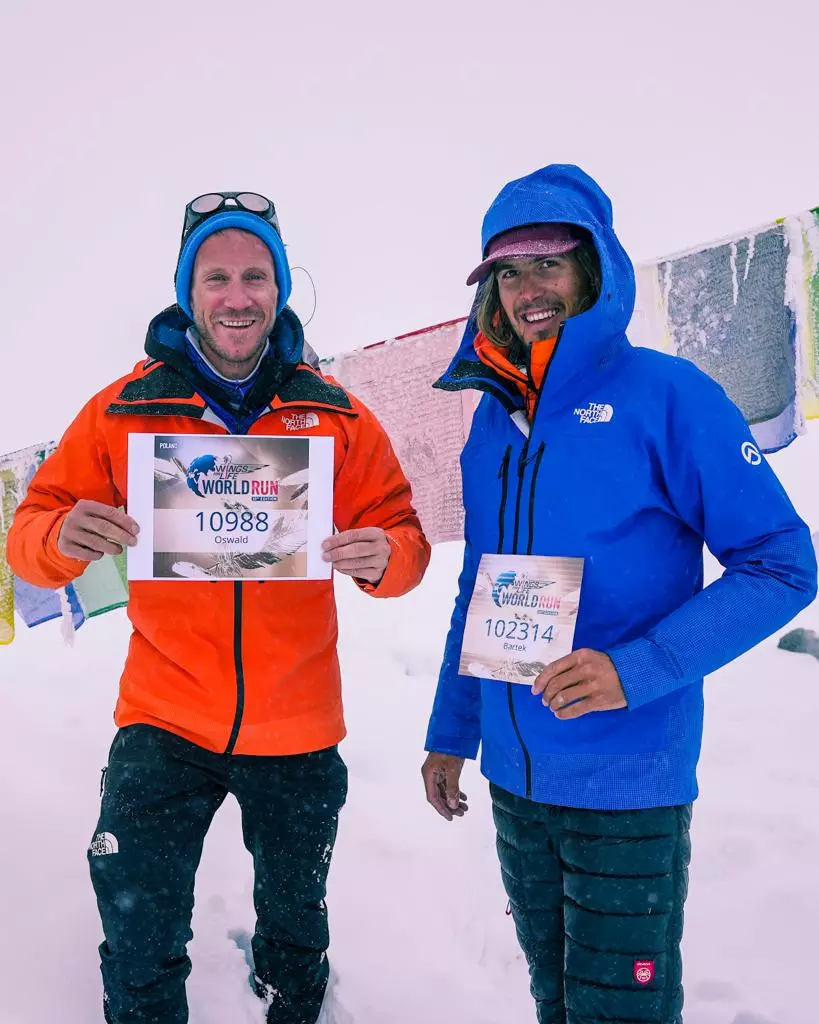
(301, 421)
(595, 412)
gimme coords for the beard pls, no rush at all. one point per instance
(211, 347)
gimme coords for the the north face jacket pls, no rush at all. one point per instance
(238, 667)
(634, 460)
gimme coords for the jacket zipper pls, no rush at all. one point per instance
(238, 664)
(523, 462)
(237, 661)
(535, 471)
(503, 476)
(510, 693)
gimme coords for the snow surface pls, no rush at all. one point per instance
(419, 931)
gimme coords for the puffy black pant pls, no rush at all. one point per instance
(160, 795)
(597, 899)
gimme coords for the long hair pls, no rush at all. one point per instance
(492, 321)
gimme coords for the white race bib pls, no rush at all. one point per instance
(224, 507)
(521, 617)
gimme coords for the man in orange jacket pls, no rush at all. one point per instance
(228, 687)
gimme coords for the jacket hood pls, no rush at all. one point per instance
(559, 193)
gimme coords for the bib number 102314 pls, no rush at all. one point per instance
(517, 629)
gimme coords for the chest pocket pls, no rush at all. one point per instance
(594, 482)
(489, 475)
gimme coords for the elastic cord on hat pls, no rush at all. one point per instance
(244, 221)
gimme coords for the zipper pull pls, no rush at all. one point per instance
(522, 460)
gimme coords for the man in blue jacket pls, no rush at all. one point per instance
(583, 446)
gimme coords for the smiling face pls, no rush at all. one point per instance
(538, 294)
(233, 298)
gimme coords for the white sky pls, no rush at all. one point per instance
(382, 132)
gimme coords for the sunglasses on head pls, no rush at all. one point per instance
(206, 205)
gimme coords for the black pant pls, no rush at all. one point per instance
(597, 899)
(160, 795)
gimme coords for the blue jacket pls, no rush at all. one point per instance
(634, 460)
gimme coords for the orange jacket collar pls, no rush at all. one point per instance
(158, 389)
(529, 384)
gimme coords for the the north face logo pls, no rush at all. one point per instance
(595, 413)
(301, 420)
(103, 844)
(644, 971)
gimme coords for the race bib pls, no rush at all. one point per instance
(521, 617)
(224, 507)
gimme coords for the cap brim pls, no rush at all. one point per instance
(522, 251)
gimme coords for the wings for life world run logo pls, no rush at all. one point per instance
(208, 475)
(517, 590)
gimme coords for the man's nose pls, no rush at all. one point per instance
(529, 287)
(236, 295)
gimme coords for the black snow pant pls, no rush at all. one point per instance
(159, 797)
(597, 900)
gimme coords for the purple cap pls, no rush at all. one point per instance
(529, 242)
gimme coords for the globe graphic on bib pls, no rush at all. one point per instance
(504, 581)
(201, 466)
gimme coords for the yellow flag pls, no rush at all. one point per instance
(8, 503)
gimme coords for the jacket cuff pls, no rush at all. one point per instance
(63, 563)
(456, 746)
(393, 583)
(646, 671)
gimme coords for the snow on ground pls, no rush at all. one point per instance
(420, 935)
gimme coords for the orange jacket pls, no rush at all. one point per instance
(238, 667)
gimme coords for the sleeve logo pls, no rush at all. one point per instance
(751, 454)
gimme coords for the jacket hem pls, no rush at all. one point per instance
(600, 782)
(318, 736)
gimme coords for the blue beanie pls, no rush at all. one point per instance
(221, 221)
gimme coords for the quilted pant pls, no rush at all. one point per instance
(597, 900)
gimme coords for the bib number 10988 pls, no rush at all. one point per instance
(516, 629)
(230, 522)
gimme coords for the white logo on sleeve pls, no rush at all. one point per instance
(104, 843)
(595, 413)
(301, 420)
(751, 454)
